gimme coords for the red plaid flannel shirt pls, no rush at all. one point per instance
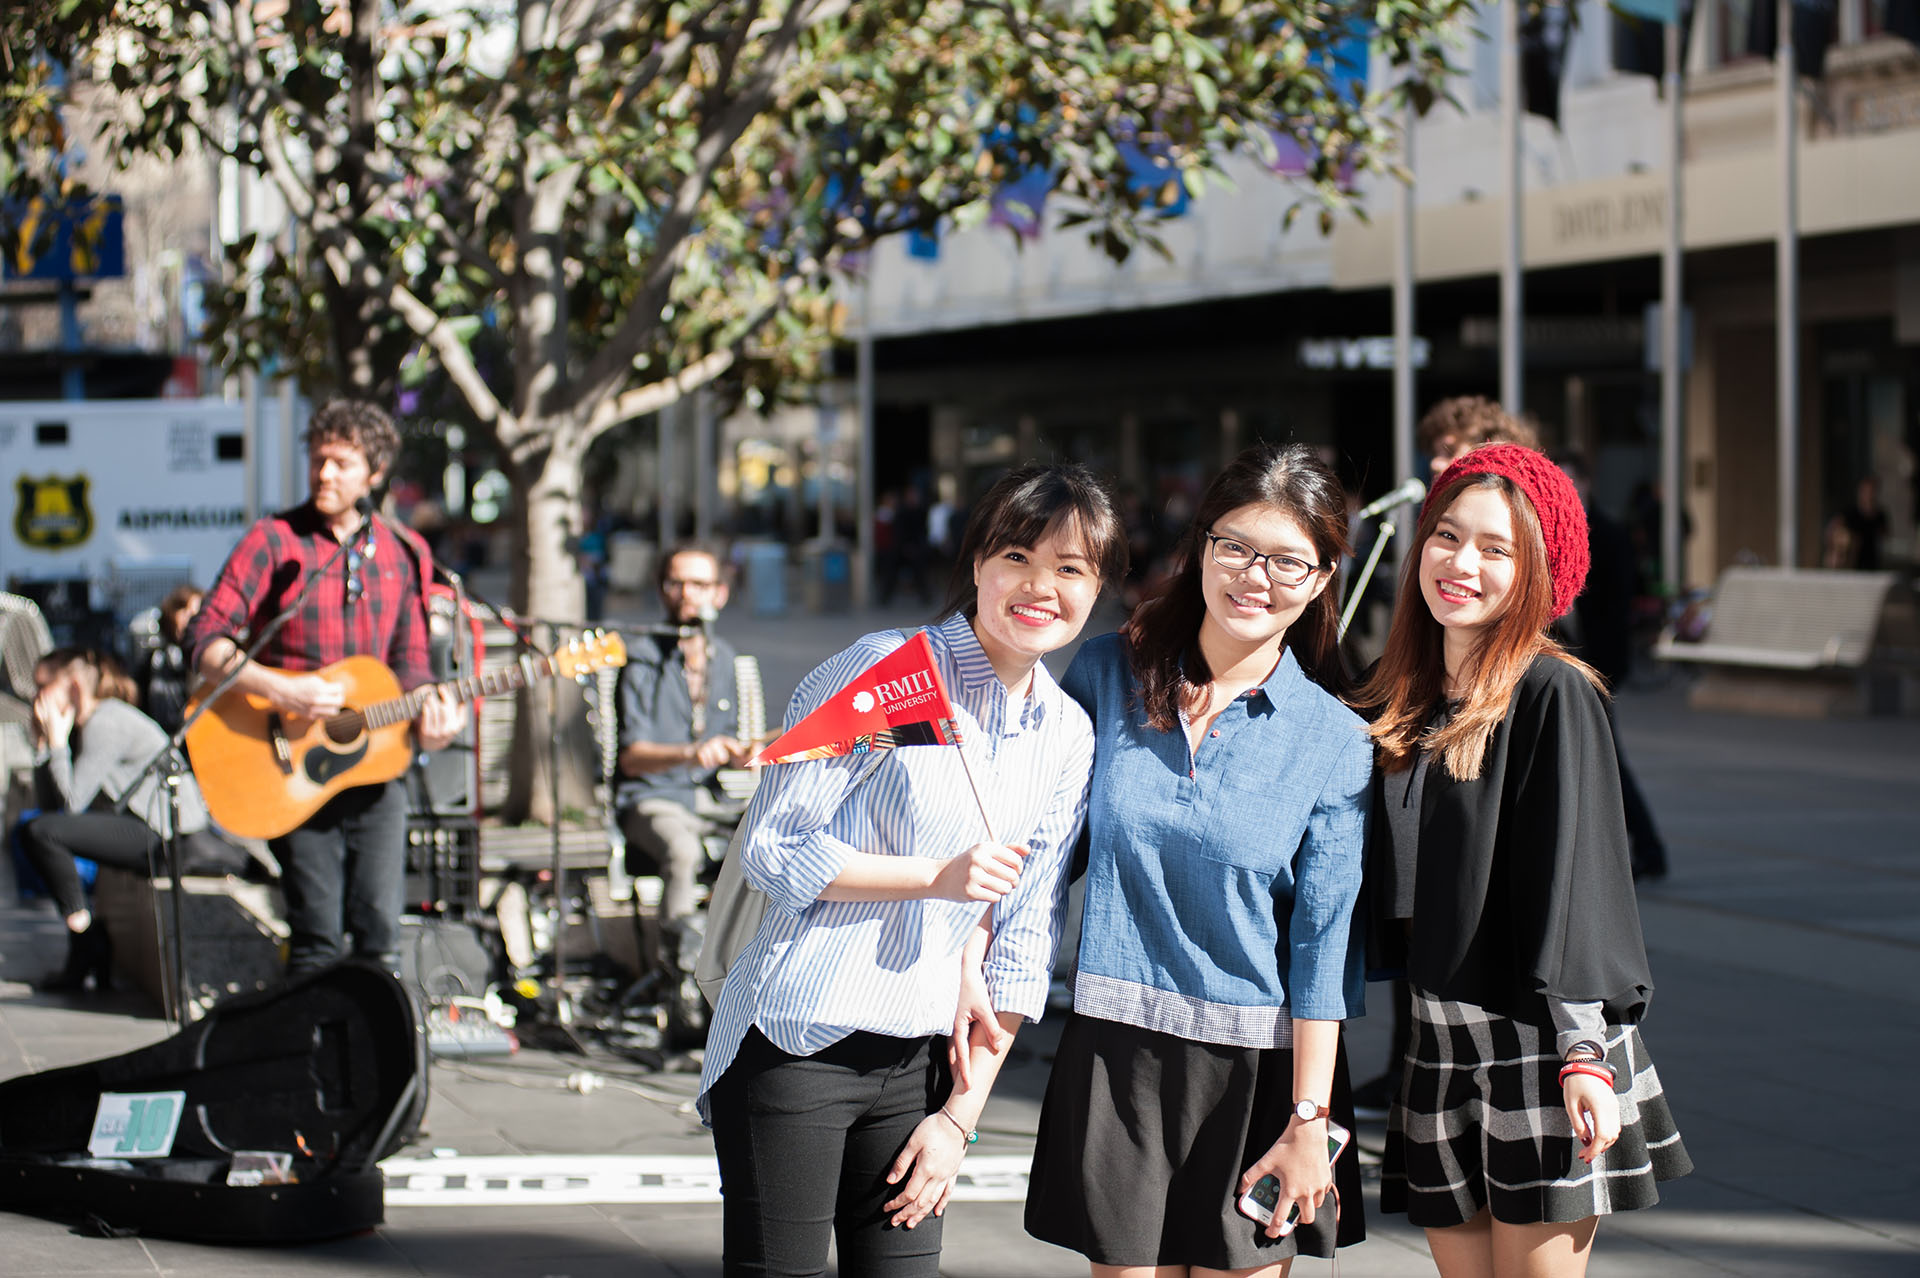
(387, 620)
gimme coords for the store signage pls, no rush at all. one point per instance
(1356, 352)
(1602, 220)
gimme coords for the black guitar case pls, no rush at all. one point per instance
(330, 1068)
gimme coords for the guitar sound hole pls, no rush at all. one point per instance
(344, 728)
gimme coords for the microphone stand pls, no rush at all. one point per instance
(556, 919)
(1380, 540)
(170, 755)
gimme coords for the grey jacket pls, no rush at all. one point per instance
(102, 759)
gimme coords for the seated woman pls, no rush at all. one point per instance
(93, 746)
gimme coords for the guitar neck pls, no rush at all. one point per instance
(524, 673)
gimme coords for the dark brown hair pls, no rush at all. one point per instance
(1163, 635)
(720, 566)
(363, 425)
(1027, 504)
(101, 671)
(176, 599)
(1473, 420)
(1411, 678)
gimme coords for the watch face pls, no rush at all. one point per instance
(1306, 1110)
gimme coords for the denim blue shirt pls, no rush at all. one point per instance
(1221, 882)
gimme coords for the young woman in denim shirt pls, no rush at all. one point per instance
(1226, 830)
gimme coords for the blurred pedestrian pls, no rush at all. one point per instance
(1500, 883)
(1226, 834)
(1866, 525)
(909, 548)
(1602, 636)
(826, 1081)
(164, 678)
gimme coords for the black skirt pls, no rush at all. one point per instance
(1480, 1122)
(1142, 1142)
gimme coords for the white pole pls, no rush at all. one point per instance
(1787, 283)
(863, 391)
(1403, 321)
(1512, 113)
(666, 423)
(1671, 283)
(703, 491)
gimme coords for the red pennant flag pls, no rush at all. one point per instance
(899, 700)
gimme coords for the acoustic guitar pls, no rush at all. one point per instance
(264, 773)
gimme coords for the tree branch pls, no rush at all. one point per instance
(609, 366)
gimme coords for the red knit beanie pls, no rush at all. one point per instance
(1556, 503)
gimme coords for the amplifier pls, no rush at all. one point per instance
(443, 866)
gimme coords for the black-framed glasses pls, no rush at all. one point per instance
(1284, 571)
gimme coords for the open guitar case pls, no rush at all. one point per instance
(330, 1069)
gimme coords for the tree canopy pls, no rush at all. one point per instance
(577, 211)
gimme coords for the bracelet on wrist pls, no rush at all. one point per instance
(972, 1136)
(1592, 1069)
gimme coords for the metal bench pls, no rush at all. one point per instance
(1788, 619)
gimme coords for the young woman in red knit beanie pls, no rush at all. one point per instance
(1501, 887)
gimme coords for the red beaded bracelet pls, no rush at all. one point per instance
(1593, 1069)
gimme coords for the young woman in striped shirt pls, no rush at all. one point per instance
(826, 1081)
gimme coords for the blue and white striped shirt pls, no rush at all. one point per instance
(817, 970)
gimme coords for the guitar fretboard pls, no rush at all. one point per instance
(493, 683)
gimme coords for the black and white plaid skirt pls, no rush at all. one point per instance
(1479, 1122)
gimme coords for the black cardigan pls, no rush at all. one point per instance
(1524, 887)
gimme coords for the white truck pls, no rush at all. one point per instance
(130, 497)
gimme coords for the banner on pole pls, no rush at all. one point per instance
(900, 700)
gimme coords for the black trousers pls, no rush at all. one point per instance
(52, 840)
(345, 872)
(804, 1144)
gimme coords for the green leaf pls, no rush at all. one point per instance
(1206, 93)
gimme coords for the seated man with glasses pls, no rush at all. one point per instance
(344, 870)
(679, 726)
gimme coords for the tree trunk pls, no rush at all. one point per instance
(549, 594)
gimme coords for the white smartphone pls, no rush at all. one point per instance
(1259, 1202)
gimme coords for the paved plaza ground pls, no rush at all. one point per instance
(1786, 1026)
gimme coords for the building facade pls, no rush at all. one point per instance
(989, 351)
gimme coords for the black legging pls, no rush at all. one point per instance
(109, 838)
(804, 1144)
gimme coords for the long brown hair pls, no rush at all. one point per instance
(1411, 678)
(1163, 635)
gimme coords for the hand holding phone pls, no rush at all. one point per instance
(1261, 1202)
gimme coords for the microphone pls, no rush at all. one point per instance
(1412, 490)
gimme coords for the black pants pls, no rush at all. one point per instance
(110, 838)
(804, 1144)
(344, 872)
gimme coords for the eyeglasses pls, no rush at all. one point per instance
(1282, 570)
(681, 583)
